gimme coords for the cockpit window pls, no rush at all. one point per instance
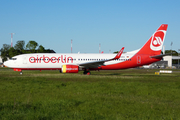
(13, 58)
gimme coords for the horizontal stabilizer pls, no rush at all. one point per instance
(160, 56)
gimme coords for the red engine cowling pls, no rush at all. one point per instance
(70, 69)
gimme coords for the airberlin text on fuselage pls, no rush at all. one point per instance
(46, 59)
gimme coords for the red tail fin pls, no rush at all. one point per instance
(154, 45)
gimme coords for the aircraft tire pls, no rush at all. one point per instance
(88, 73)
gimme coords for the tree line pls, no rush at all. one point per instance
(19, 48)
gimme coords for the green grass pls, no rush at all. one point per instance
(123, 94)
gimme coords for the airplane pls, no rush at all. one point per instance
(73, 63)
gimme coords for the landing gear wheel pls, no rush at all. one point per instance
(86, 72)
(20, 73)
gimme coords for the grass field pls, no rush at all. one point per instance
(115, 95)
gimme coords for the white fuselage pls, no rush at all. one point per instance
(55, 61)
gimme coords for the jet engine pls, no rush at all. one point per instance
(70, 69)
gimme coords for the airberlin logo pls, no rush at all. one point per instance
(71, 68)
(46, 59)
(157, 40)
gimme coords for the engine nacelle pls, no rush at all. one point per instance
(70, 69)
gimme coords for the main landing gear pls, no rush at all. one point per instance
(18, 70)
(86, 72)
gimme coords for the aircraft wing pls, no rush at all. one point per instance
(95, 64)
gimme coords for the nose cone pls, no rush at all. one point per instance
(7, 64)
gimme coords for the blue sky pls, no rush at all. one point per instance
(112, 23)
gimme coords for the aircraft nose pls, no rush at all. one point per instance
(6, 64)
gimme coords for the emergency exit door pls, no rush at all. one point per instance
(138, 59)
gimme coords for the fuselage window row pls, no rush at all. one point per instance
(84, 59)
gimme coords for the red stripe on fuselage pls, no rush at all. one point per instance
(37, 68)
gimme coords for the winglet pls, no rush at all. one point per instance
(119, 54)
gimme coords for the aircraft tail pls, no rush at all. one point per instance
(154, 45)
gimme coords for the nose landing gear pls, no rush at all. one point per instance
(19, 70)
